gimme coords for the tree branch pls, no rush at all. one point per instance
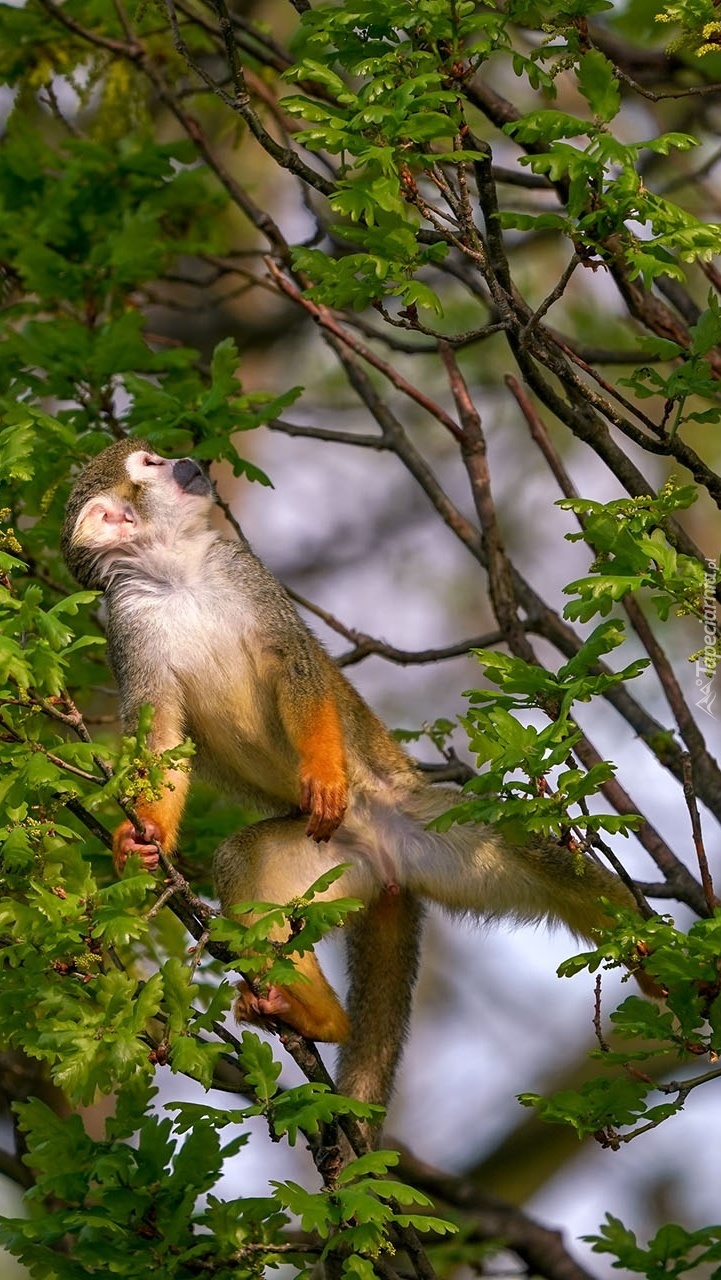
(541, 1249)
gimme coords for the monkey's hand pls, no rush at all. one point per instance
(326, 802)
(127, 840)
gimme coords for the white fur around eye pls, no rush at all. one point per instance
(143, 465)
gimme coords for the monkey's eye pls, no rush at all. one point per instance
(149, 460)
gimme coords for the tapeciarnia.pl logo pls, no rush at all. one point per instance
(707, 659)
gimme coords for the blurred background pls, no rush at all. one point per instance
(349, 529)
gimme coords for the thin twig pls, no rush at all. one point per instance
(325, 318)
(688, 728)
(328, 434)
(240, 102)
(689, 795)
(197, 951)
(548, 302)
(473, 453)
(672, 867)
(39, 749)
(597, 1018)
(659, 95)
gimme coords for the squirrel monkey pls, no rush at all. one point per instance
(198, 627)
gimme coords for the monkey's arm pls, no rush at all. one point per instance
(160, 817)
(309, 696)
(312, 721)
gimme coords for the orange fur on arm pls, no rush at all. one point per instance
(159, 819)
(323, 776)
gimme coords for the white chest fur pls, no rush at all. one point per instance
(200, 626)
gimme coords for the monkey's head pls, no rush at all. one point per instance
(124, 501)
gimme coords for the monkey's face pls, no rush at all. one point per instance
(126, 501)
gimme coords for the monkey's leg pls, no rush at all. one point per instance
(383, 946)
(474, 868)
(471, 867)
(274, 861)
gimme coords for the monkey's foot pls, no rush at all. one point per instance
(249, 1007)
(328, 1022)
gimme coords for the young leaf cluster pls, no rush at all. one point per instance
(633, 1095)
(634, 552)
(515, 792)
(386, 104)
(364, 1208)
(605, 194)
(673, 1250)
(144, 1192)
(691, 378)
(307, 918)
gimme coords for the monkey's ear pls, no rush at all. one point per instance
(105, 519)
